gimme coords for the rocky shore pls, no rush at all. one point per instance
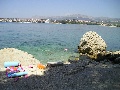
(83, 74)
(94, 69)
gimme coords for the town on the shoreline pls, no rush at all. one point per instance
(62, 21)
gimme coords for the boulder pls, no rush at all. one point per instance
(54, 64)
(92, 44)
(117, 60)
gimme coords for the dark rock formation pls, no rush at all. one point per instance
(117, 60)
(54, 64)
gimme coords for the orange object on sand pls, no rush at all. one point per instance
(41, 66)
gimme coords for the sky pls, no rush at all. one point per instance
(30, 8)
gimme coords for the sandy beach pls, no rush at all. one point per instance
(26, 60)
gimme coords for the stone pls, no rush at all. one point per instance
(113, 56)
(73, 59)
(83, 57)
(117, 60)
(54, 64)
(92, 44)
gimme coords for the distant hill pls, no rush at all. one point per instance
(78, 17)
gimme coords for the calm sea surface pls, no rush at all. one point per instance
(47, 42)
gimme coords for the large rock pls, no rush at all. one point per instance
(92, 44)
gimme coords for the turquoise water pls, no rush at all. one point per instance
(47, 42)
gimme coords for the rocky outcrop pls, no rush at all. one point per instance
(92, 44)
(85, 74)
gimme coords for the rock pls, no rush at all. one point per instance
(84, 62)
(116, 52)
(92, 44)
(83, 57)
(113, 56)
(117, 60)
(53, 64)
(73, 59)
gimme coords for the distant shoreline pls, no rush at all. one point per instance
(63, 21)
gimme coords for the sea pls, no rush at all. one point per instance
(53, 42)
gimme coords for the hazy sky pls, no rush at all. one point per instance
(29, 8)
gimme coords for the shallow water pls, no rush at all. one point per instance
(47, 42)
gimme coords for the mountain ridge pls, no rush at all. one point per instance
(78, 17)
